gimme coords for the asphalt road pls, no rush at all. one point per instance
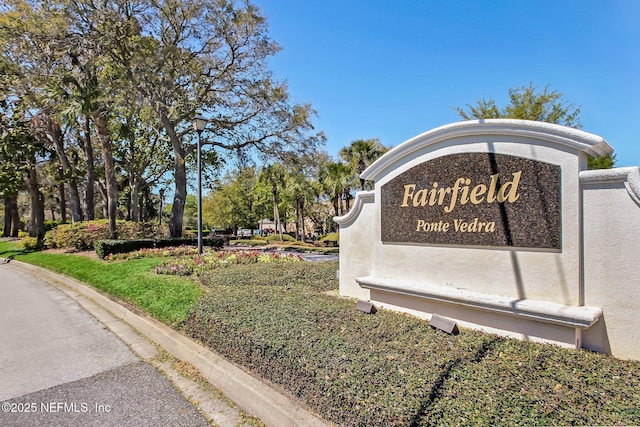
(59, 366)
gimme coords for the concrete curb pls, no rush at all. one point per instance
(250, 394)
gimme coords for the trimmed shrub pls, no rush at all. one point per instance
(248, 242)
(212, 242)
(331, 239)
(84, 235)
(105, 248)
(110, 247)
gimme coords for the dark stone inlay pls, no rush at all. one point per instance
(516, 202)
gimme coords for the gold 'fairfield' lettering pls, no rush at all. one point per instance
(432, 194)
(477, 194)
(408, 193)
(420, 198)
(491, 195)
(462, 193)
(442, 193)
(510, 195)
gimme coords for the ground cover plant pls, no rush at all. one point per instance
(394, 370)
(521, 383)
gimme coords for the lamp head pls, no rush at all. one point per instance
(199, 123)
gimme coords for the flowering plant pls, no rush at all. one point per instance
(182, 250)
(195, 265)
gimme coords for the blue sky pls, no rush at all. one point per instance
(394, 69)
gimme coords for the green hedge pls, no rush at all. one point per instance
(110, 247)
(330, 240)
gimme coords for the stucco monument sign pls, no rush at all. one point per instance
(497, 225)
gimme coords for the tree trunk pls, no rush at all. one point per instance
(180, 176)
(127, 207)
(300, 217)
(359, 169)
(7, 217)
(101, 121)
(304, 233)
(91, 177)
(62, 199)
(55, 134)
(179, 198)
(297, 221)
(74, 199)
(161, 206)
(105, 199)
(134, 187)
(346, 196)
(276, 211)
(145, 203)
(15, 216)
(336, 205)
(36, 221)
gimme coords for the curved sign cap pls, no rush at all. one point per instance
(561, 137)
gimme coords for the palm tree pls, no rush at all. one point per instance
(299, 189)
(275, 175)
(361, 153)
(334, 179)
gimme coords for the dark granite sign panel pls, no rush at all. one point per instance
(478, 199)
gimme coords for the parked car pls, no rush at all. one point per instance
(245, 232)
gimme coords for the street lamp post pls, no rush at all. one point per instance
(199, 123)
(161, 202)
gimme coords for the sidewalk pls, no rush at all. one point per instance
(143, 334)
